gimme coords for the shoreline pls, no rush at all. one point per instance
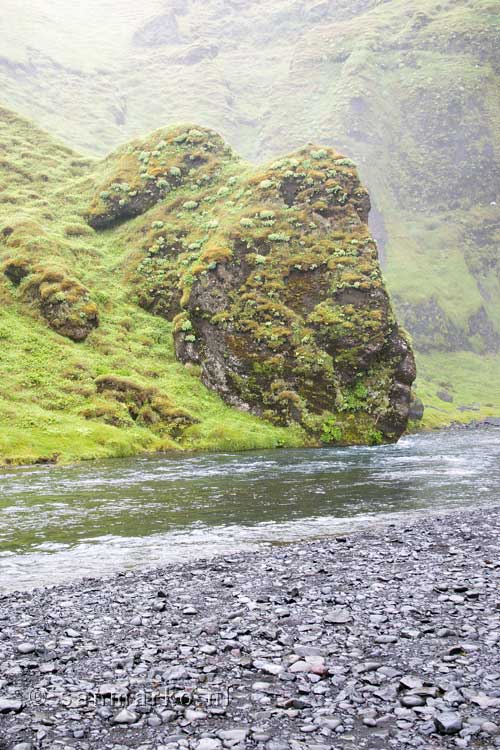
(375, 523)
(487, 423)
(380, 637)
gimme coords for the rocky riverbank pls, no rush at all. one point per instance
(381, 639)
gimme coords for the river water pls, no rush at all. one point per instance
(61, 523)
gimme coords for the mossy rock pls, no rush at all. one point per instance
(289, 317)
(146, 171)
(145, 405)
(270, 276)
(62, 300)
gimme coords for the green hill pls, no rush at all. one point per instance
(408, 90)
(174, 237)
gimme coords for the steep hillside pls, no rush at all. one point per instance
(266, 278)
(407, 89)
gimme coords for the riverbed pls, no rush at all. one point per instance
(59, 524)
(387, 638)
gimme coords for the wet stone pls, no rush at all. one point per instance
(312, 646)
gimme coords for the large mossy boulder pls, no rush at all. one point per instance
(147, 171)
(271, 278)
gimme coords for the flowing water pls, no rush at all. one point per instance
(62, 523)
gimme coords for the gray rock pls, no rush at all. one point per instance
(448, 723)
(338, 617)
(192, 715)
(410, 682)
(10, 705)
(490, 728)
(234, 735)
(26, 648)
(410, 701)
(268, 667)
(208, 743)
(125, 716)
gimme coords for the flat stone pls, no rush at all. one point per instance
(234, 735)
(386, 639)
(207, 743)
(410, 682)
(268, 667)
(299, 666)
(192, 715)
(10, 705)
(338, 617)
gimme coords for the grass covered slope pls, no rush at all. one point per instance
(100, 261)
(114, 388)
(407, 88)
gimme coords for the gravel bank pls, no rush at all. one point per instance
(382, 639)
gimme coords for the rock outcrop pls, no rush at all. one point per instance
(271, 278)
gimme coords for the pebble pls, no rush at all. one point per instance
(410, 701)
(448, 723)
(125, 717)
(312, 646)
(26, 648)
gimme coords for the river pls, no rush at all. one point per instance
(58, 524)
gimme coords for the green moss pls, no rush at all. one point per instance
(49, 403)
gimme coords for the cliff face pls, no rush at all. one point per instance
(270, 276)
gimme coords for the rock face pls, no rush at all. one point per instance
(271, 277)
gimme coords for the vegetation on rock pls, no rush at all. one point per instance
(270, 277)
(276, 263)
(228, 235)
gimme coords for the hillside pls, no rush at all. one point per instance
(408, 90)
(146, 295)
